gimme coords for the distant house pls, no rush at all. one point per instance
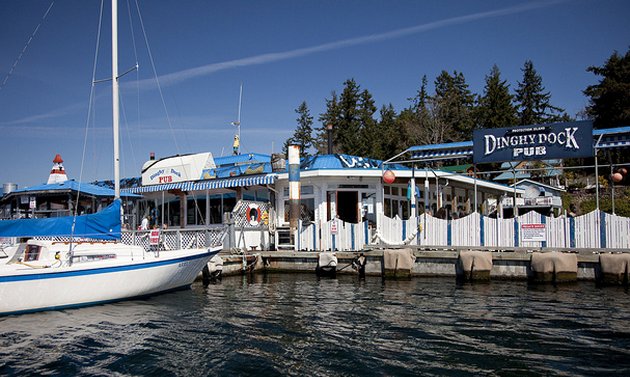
(57, 199)
(537, 196)
(545, 171)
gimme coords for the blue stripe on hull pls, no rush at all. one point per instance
(102, 270)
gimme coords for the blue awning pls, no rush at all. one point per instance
(446, 151)
(612, 137)
(209, 184)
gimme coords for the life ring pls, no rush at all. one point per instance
(253, 214)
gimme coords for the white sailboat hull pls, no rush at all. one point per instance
(25, 289)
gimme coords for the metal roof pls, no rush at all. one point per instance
(69, 186)
(344, 162)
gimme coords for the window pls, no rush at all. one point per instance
(304, 190)
(387, 207)
(307, 210)
(32, 253)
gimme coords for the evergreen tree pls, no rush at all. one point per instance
(610, 98)
(533, 102)
(332, 116)
(303, 135)
(285, 147)
(414, 121)
(454, 103)
(495, 108)
(370, 132)
(387, 145)
(348, 130)
(352, 119)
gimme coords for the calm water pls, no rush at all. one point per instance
(299, 325)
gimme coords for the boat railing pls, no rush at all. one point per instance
(168, 239)
(174, 239)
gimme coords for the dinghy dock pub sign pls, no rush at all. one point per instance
(536, 142)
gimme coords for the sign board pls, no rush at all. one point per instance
(537, 142)
(154, 237)
(177, 169)
(32, 204)
(333, 227)
(533, 233)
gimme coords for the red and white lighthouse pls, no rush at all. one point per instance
(58, 173)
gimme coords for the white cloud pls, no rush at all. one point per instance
(188, 74)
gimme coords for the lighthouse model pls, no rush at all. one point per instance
(58, 173)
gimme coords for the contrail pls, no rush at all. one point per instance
(177, 77)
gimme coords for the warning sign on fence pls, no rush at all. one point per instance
(333, 227)
(154, 237)
(533, 232)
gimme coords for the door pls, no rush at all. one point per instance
(348, 206)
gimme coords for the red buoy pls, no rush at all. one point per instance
(617, 177)
(389, 177)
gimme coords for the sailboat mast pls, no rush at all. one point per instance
(115, 100)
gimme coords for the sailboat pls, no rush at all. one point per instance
(49, 275)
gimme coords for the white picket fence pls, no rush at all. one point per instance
(593, 230)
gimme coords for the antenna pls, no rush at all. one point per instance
(237, 138)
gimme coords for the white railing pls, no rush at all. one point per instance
(532, 230)
(173, 239)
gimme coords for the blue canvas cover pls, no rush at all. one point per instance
(104, 225)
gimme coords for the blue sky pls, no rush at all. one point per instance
(284, 52)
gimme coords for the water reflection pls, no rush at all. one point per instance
(270, 324)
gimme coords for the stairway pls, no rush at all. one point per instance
(283, 239)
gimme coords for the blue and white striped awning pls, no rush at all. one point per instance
(612, 138)
(207, 185)
(442, 151)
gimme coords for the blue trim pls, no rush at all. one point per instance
(294, 173)
(602, 229)
(75, 306)
(449, 233)
(314, 236)
(404, 230)
(352, 236)
(102, 270)
(544, 221)
(516, 233)
(482, 239)
(572, 231)
(333, 243)
(366, 229)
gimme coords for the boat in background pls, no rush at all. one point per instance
(96, 268)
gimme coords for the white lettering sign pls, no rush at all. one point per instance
(531, 144)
